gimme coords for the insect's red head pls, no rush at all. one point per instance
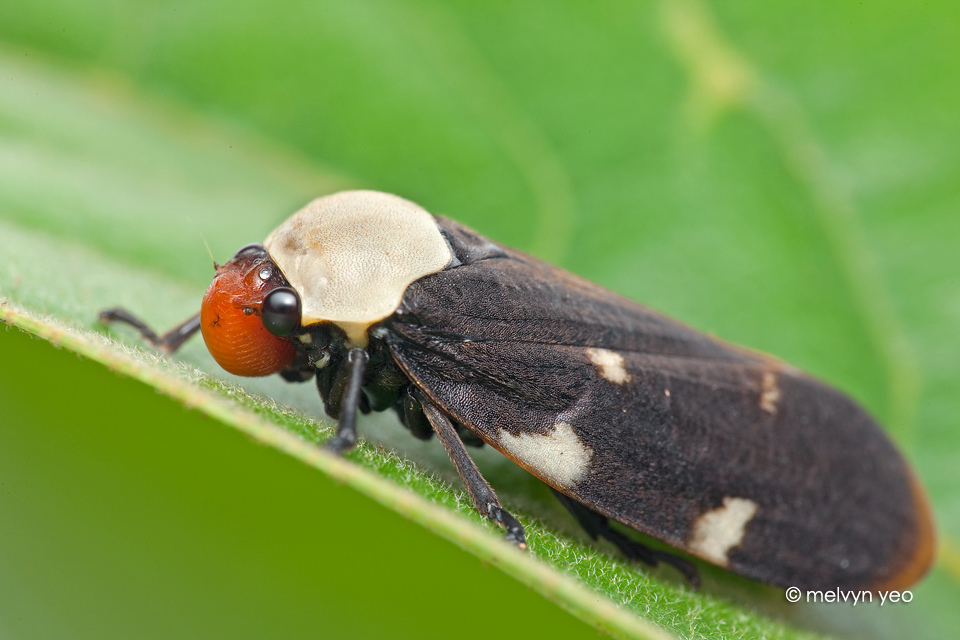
(246, 314)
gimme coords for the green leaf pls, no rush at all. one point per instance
(758, 180)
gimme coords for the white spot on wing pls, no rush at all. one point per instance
(719, 530)
(558, 456)
(770, 394)
(611, 365)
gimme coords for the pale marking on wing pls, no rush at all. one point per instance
(770, 394)
(559, 456)
(719, 530)
(611, 365)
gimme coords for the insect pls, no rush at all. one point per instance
(629, 416)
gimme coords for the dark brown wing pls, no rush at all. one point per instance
(724, 453)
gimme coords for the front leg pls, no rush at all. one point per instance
(168, 342)
(484, 499)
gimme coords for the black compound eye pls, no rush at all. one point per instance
(280, 312)
(254, 250)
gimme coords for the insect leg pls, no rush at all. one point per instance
(169, 342)
(597, 525)
(484, 499)
(411, 413)
(346, 437)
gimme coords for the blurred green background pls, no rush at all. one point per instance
(784, 175)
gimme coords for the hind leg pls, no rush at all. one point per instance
(597, 525)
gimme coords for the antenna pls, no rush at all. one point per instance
(205, 243)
